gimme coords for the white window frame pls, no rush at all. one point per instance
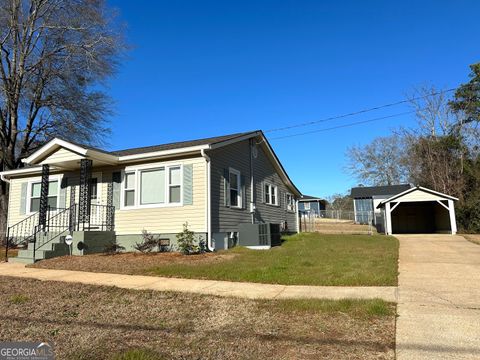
(290, 200)
(148, 167)
(272, 190)
(39, 181)
(306, 205)
(239, 188)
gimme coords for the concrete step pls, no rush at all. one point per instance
(20, 260)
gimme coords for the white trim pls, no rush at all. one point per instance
(292, 197)
(53, 144)
(453, 221)
(161, 153)
(235, 140)
(137, 171)
(37, 180)
(208, 213)
(420, 188)
(238, 174)
(259, 247)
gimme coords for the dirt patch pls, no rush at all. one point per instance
(93, 322)
(11, 253)
(129, 263)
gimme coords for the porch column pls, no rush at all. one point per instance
(388, 219)
(43, 208)
(85, 189)
(453, 221)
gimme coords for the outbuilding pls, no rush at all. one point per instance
(419, 210)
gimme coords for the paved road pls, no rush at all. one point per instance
(438, 298)
(209, 287)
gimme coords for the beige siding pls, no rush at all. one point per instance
(133, 221)
(62, 155)
(419, 195)
(15, 194)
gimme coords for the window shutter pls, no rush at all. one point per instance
(285, 202)
(23, 199)
(62, 195)
(244, 192)
(188, 184)
(116, 188)
(226, 187)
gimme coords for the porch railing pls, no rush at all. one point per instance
(59, 222)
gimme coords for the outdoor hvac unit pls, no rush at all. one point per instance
(259, 235)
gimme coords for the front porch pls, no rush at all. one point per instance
(42, 233)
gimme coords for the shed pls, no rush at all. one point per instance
(419, 210)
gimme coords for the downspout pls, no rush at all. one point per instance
(252, 200)
(2, 176)
(208, 213)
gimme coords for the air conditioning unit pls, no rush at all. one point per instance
(259, 236)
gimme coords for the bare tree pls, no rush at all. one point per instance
(378, 163)
(54, 58)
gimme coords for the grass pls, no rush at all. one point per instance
(96, 322)
(474, 238)
(11, 253)
(304, 259)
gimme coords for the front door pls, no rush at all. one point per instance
(96, 200)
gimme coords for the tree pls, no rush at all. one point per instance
(340, 202)
(55, 55)
(466, 101)
(378, 163)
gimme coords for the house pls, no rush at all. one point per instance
(311, 205)
(214, 185)
(367, 198)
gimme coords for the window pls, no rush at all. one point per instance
(290, 202)
(174, 185)
(153, 187)
(306, 205)
(35, 191)
(129, 194)
(235, 188)
(271, 194)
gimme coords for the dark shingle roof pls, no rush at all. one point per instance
(178, 145)
(370, 191)
(310, 198)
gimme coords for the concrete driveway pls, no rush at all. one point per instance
(438, 298)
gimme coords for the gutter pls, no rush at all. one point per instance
(2, 176)
(208, 213)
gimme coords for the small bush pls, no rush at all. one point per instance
(113, 248)
(138, 354)
(186, 241)
(19, 299)
(148, 243)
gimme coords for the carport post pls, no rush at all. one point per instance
(388, 219)
(453, 221)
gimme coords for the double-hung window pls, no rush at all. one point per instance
(151, 187)
(235, 188)
(290, 202)
(271, 194)
(35, 191)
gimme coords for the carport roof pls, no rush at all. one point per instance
(416, 188)
(370, 191)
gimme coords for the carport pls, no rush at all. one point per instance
(419, 210)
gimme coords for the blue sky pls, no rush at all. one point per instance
(207, 68)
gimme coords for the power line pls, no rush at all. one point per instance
(357, 112)
(344, 125)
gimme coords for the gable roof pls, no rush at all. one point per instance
(370, 191)
(182, 144)
(151, 152)
(413, 189)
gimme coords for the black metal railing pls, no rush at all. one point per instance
(58, 223)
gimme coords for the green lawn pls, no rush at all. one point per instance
(303, 259)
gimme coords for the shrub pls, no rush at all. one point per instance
(186, 241)
(113, 248)
(148, 243)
